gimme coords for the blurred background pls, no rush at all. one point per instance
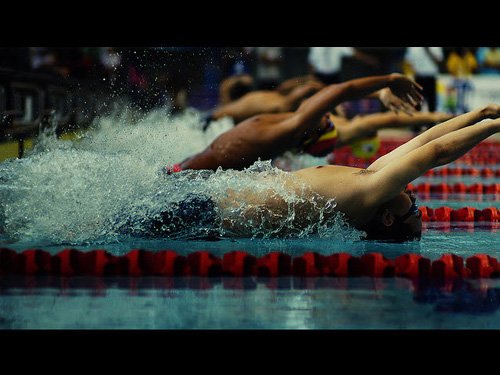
(70, 86)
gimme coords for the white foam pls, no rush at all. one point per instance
(82, 191)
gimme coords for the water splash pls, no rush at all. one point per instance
(89, 189)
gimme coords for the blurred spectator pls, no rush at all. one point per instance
(369, 61)
(44, 60)
(110, 60)
(378, 60)
(175, 74)
(236, 61)
(488, 59)
(326, 62)
(134, 76)
(268, 69)
(461, 62)
(425, 64)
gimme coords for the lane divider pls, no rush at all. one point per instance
(238, 263)
(465, 162)
(485, 153)
(464, 214)
(457, 188)
(473, 172)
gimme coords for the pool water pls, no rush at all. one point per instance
(84, 302)
(248, 303)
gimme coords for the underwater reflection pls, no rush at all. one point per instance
(471, 296)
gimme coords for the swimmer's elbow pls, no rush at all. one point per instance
(435, 154)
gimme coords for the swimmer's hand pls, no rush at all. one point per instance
(492, 111)
(393, 103)
(406, 89)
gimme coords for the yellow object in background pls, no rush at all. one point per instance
(366, 148)
(9, 150)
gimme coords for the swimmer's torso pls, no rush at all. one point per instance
(299, 199)
(264, 136)
(244, 144)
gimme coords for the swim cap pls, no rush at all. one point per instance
(324, 145)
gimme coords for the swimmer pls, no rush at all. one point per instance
(374, 200)
(234, 87)
(238, 99)
(262, 101)
(267, 136)
(344, 132)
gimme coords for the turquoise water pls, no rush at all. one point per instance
(248, 303)
(67, 194)
(262, 303)
(464, 239)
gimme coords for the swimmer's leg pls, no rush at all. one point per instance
(195, 217)
(190, 216)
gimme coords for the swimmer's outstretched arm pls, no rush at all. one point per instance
(490, 111)
(298, 94)
(312, 109)
(231, 109)
(368, 125)
(290, 84)
(387, 182)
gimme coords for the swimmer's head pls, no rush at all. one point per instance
(326, 138)
(397, 220)
(241, 88)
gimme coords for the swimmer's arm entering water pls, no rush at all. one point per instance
(392, 178)
(456, 123)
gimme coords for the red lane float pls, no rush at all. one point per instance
(482, 266)
(309, 264)
(139, 262)
(486, 172)
(203, 263)
(464, 166)
(412, 265)
(449, 266)
(464, 214)
(239, 263)
(274, 264)
(457, 188)
(343, 265)
(169, 263)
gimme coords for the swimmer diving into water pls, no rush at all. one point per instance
(310, 128)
